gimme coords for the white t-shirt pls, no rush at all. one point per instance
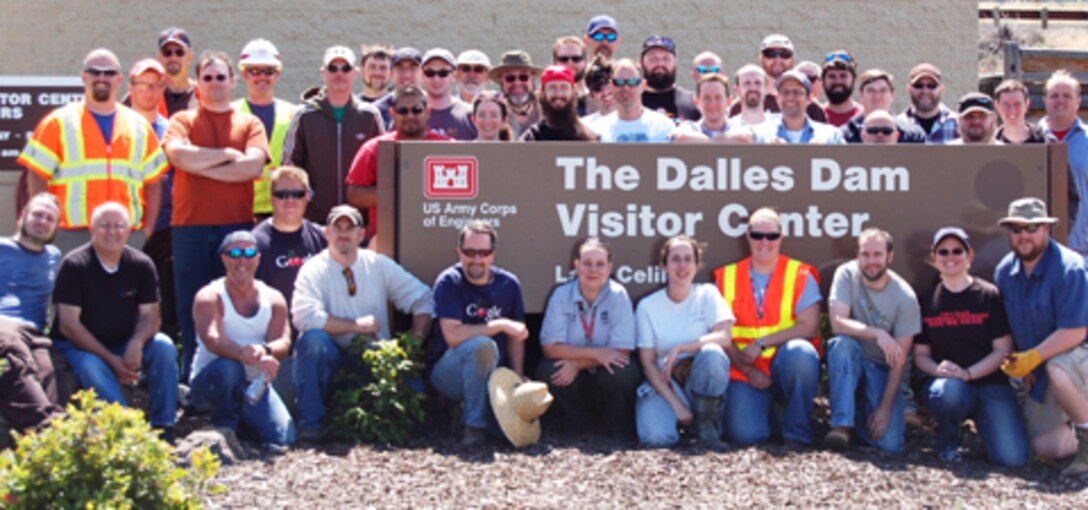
(663, 323)
(651, 127)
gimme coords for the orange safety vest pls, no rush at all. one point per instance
(83, 171)
(787, 283)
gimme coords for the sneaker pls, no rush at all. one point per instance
(950, 456)
(838, 439)
(473, 437)
(184, 400)
(274, 449)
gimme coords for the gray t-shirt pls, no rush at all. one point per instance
(893, 308)
(453, 121)
(609, 321)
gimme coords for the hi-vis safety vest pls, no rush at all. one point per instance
(787, 283)
(262, 188)
(83, 171)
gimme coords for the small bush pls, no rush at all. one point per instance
(100, 456)
(375, 404)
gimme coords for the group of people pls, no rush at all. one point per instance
(152, 201)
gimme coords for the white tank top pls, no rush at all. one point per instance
(241, 330)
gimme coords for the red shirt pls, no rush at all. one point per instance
(838, 119)
(364, 169)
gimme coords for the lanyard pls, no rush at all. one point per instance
(587, 326)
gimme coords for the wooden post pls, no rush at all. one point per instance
(1012, 60)
(1043, 17)
(996, 15)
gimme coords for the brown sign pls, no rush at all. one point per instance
(24, 101)
(544, 197)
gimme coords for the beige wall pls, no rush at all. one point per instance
(50, 37)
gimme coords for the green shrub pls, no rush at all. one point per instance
(376, 405)
(100, 456)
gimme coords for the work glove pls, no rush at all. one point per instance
(1020, 364)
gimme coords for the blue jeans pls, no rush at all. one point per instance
(995, 411)
(196, 262)
(220, 387)
(749, 414)
(462, 373)
(655, 419)
(159, 364)
(317, 358)
(851, 375)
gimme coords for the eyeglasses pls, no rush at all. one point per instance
(405, 110)
(777, 53)
(441, 73)
(879, 130)
(511, 78)
(112, 226)
(793, 92)
(1020, 229)
(176, 52)
(471, 253)
(108, 73)
(472, 69)
(214, 77)
(628, 82)
(840, 55)
(759, 236)
(944, 252)
(237, 253)
(601, 36)
(349, 276)
(342, 68)
(262, 71)
(705, 69)
(919, 85)
(284, 194)
(566, 59)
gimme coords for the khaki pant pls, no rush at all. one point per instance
(1048, 415)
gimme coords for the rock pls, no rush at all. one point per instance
(222, 442)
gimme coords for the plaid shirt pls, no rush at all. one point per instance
(944, 130)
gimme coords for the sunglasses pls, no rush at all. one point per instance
(759, 236)
(918, 85)
(566, 59)
(97, 73)
(176, 52)
(472, 69)
(471, 253)
(214, 77)
(284, 194)
(629, 82)
(601, 36)
(705, 69)
(774, 53)
(880, 130)
(511, 78)
(944, 252)
(237, 253)
(261, 71)
(349, 277)
(843, 56)
(441, 73)
(405, 110)
(1031, 229)
(342, 68)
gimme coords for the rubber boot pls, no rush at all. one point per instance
(1079, 466)
(706, 422)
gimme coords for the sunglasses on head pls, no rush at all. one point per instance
(601, 36)
(261, 71)
(349, 277)
(880, 130)
(944, 252)
(342, 68)
(108, 73)
(472, 253)
(706, 69)
(472, 69)
(284, 194)
(511, 78)
(628, 82)
(441, 73)
(175, 52)
(843, 56)
(566, 59)
(214, 77)
(777, 53)
(405, 110)
(237, 253)
(759, 236)
(1020, 229)
(919, 85)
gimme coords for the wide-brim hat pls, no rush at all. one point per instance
(1029, 210)
(518, 405)
(515, 59)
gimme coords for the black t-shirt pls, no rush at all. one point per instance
(177, 101)
(961, 326)
(108, 303)
(1035, 135)
(283, 253)
(927, 124)
(542, 132)
(677, 104)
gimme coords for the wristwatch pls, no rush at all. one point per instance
(267, 349)
(762, 345)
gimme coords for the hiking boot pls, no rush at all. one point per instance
(1079, 466)
(166, 433)
(473, 437)
(838, 439)
(706, 422)
(951, 456)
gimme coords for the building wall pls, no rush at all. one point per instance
(50, 37)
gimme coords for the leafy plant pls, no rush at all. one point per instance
(376, 404)
(101, 456)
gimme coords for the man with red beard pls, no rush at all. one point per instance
(658, 64)
(559, 106)
(839, 74)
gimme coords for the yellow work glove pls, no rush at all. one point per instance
(1020, 364)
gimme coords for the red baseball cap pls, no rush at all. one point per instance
(557, 73)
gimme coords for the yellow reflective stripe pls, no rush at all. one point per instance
(96, 168)
(70, 139)
(134, 210)
(729, 283)
(785, 310)
(156, 166)
(40, 157)
(75, 206)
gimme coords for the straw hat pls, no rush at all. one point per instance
(518, 406)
